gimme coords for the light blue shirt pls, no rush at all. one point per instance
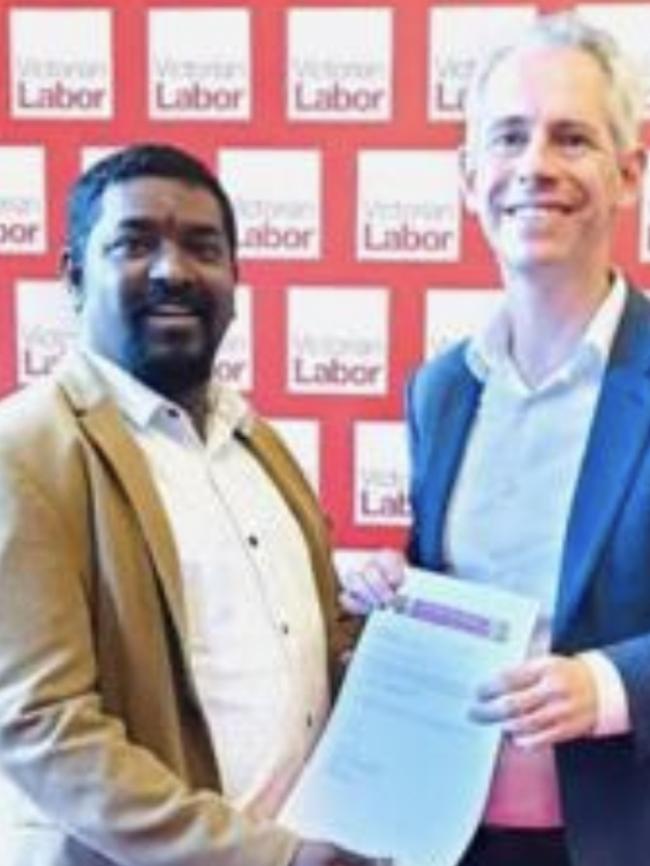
(510, 506)
(508, 515)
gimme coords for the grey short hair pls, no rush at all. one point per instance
(567, 29)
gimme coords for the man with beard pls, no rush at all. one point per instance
(167, 617)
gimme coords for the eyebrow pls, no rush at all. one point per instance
(521, 120)
(148, 224)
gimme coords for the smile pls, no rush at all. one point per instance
(170, 311)
(537, 208)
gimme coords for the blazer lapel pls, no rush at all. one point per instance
(619, 432)
(444, 436)
(101, 420)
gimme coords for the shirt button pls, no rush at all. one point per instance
(284, 628)
(253, 540)
(310, 720)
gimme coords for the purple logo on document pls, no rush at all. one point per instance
(452, 617)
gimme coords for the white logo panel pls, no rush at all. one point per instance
(233, 364)
(452, 314)
(22, 200)
(199, 64)
(46, 327)
(408, 206)
(380, 474)
(61, 63)
(302, 437)
(340, 64)
(457, 37)
(338, 340)
(277, 198)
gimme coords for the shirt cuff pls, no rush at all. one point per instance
(613, 716)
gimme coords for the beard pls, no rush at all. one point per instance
(176, 356)
(173, 375)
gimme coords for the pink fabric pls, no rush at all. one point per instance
(524, 790)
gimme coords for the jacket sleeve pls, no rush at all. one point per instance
(632, 660)
(57, 742)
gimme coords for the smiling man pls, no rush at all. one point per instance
(147, 311)
(530, 449)
(167, 624)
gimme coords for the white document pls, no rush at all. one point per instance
(401, 772)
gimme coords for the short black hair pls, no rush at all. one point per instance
(139, 160)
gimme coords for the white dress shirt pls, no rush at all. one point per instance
(256, 634)
(508, 515)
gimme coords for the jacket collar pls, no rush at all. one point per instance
(619, 434)
(100, 419)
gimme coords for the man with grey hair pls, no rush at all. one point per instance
(531, 459)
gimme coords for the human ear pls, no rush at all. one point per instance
(72, 275)
(632, 165)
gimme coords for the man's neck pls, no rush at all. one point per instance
(195, 402)
(548, 315)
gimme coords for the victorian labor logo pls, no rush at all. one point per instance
(408, 206)
(380, 474)
(340, 64)
(22, 200)
(61, 63)
(457, 37)
(199, 64)
(338, 340)
(277, 198)
(46, 327)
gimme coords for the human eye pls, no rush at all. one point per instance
(209, 248)
(574, 142)
(131, 245)
(507, 139)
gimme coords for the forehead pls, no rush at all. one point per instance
(159, 199)
(547, 82)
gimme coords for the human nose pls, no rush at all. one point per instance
(169, 263)
(535, 161)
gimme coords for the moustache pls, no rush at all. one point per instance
(182, 295)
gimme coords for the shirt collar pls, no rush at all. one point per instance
(489, 350)
(228, 411)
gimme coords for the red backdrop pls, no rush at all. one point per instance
(402, 266)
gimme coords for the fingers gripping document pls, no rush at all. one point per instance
(401, 771)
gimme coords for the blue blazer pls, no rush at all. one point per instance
(604, 594)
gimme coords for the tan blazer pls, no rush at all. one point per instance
(99, 720)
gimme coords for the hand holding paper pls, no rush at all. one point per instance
(375, 584)
(402, 770)
(542, 701)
